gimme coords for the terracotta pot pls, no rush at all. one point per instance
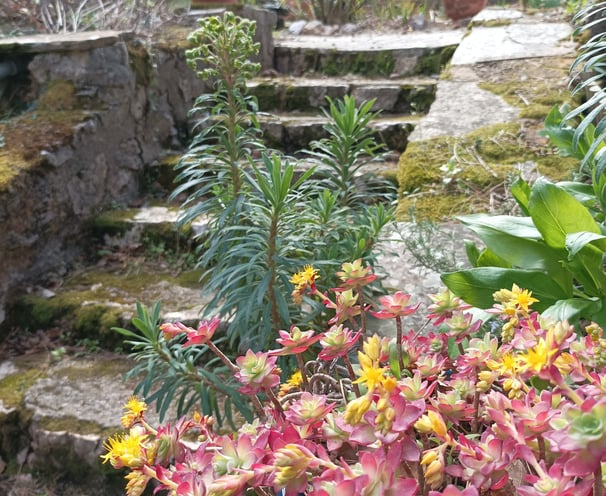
(462, 9)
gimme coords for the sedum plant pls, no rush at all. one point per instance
(522, 412)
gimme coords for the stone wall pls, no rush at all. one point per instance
(103, 107)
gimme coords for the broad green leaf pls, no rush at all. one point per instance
(489, 258)
(520, 190)
(515, 241)
(576, 241)
(556, 213)
(473, 253)
(571, 309)
(476, 286)
(521, 227)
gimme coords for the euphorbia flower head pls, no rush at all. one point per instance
(354, 275)
(295, 341)
(395, 305)
(337, 342)
(257, 371)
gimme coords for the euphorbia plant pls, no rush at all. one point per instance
(381, 416)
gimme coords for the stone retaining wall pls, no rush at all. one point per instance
(103, 106)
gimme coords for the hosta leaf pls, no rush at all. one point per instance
(476, 286)
(557, 213)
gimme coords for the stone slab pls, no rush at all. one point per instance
(46, 43)
(370, 42)
(497, 14)
(514, 41)
(455, 99)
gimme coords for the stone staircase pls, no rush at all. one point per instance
(60, 407)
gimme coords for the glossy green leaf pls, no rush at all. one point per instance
(476, 286)
(576, 241)
(557, 213)
(572, 309)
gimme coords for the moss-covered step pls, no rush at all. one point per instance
(148, 226)
(59, 410)
(395, 96)
(294, 132)
(90, 303)
(447, 176)
(373, 56)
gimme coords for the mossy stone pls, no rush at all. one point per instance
(26, 135)
(487, 157)
(434, 61)
(13, 387)
(59, 95)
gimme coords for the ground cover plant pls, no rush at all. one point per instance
(452, 411)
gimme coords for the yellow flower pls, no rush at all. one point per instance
(137, 481)
(522, 297)
(356, 408)
(507, 366)
(293, 382)
(432, 422)
(369, 373)
(538, 357)
(126, 450)
(135, 409)
(304, 278)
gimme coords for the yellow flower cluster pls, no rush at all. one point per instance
(302, 281)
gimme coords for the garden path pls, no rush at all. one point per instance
(72, 403)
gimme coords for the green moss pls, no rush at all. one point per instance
(334, 63)
(434, 61)
(99, 368)
(26, 135)
(173, 38)
(72, 424)
(488, 157)
(14, 387)
(81, 307)
(59, 95)
(140, 60)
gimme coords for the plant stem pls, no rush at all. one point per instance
(275, 401)
(476, 407)
(399, 342)
(258, 407)
(352, 375)
(301, 365)
(362, 312)
(598, 485)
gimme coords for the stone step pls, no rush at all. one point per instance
(381, 55)
(293, 132)
(86, 304)
(152, 226)
(412, 95)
